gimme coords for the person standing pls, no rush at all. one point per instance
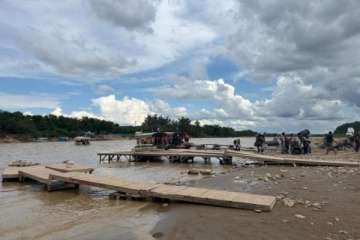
(304, 139)
(357, 141)
(237, 144)
(329, 140)
(260, 142)
(284, 143)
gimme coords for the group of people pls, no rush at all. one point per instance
(295, 144)
(353, 140)
(301, 143)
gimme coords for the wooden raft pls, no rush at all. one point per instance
(163, 191)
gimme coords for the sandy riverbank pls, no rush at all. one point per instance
(313, 203)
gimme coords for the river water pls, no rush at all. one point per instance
(28, 211)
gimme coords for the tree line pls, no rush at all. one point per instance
(342, 129)
(52, 126)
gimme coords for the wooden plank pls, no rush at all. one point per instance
(182, 193)
(229, 199)
(61, 167)
(114, 184)
(13, 172)
(192, 192)
(165, 191)
(218, 195)
(40, 174)
(261, 202)
(310, 162)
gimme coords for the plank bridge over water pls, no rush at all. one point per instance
(224, 156)
(173, 155)
(150, 191)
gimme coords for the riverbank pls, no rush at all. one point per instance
(312, 203)
(18, 138)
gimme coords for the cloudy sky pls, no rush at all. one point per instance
(265, 65)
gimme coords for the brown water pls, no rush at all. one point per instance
(28, 211)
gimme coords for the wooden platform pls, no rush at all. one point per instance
(61, 167)
(224, 157)
(215, 197)
(53, 178)
(40, 174)
(13, 172)
(285, 160)
(172, 155)
(180, 193)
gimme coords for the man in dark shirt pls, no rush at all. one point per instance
(357, 141)
(329, 141)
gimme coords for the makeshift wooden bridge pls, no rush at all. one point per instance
(173, 155)
(291, 160)
(150, 191)
(225, 157)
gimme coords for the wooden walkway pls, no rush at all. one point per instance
(173, 155)
(70, 168)
(52, 178)
(225, 157)
(285, 160)
(170, 192)
(13, 172)
(40, 174)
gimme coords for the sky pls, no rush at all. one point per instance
(264, 65)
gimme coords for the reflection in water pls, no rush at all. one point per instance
(29, 211)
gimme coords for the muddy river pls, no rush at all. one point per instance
(28, 211)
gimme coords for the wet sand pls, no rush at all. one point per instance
(313, 203)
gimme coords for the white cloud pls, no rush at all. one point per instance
(173, 38)
(75, 114)
(315, 40)
(17, 101)
(307, 49)
(125, 111)
(81, 114)
(102, 89)
(132, 15)
(66, 57)
(198, 72)
(221, 94)
(210, 122)
(243, 124)
(164, 109)
(294, 99)
(57, 112)
(28, 113)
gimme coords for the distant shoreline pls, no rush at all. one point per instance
(5, 139)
